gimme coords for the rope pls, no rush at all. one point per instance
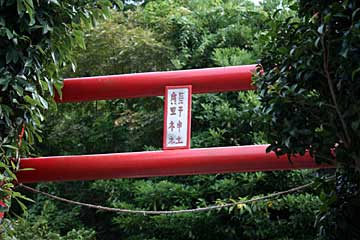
(144, 212)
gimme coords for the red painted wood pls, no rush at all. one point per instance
(207, 80)
(159, 163)
(2, 214)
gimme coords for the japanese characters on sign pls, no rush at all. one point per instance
(177, 114)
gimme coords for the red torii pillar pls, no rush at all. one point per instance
(158, 163)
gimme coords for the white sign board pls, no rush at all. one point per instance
(177, 117)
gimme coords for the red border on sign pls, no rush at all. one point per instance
(165, 147)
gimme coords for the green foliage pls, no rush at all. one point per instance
(36, 41)
(232, 57)
(38, 228)
(165, 35)
(197, 28)
(310, 90)
(103, 127)
(226, 120)
(49, 224)
(120, 46)
(264, 220)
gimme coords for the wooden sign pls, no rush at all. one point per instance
(177, 117)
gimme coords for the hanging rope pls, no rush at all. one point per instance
(144, 212)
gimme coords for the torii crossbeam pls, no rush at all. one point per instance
(158, 163)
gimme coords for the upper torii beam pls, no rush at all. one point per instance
(207, 80)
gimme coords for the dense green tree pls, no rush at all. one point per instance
(36, 41)
(197, 28)
(122, 46)
(311, 91)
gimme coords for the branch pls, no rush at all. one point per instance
(347, 141)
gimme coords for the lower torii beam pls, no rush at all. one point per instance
(159, 163)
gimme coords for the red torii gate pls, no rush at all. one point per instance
(158, 163)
